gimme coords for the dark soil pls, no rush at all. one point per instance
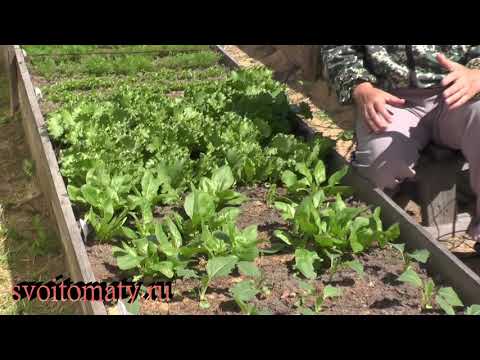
(378, 293)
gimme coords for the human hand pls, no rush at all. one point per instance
(462, 83)
(371, 103)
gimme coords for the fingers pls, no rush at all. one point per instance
(450, 78)
(381, 109)
(379, 123)
(455, 88)
(462, 101)
(369, 121)
(452, 99)
(446, 63)
(395, 101)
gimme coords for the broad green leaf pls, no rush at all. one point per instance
(303, 169)
(420, 255)
(305, 215)
(199, 207)
(223, 178)
(128, 262)
(331, 292)
(289, 178)
(318, 199)
(473, 310)
(176, 236)
(248, 268)
(186, 273)
(74, 193)
(231, 198)
(287, 210)
(91, 194)
(392, 233)
(282, 236)
(444, 305)
(304, 262)
(411, 277)
(149, 186)
(251, 233)
(129, 233)
(356, 266)
(141, 245)
(450, 296)
(165, 268)
(338, 176)
(244, 291)
(221, 266)
(320, 173)
(164, 245)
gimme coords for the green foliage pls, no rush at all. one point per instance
(473, 310)
(306, 181)
(216, 267)
(420, 256)
(243, 293)
(319, 298)
(331, 230)
(445, 297)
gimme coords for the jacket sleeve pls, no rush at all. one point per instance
(473, 57)
(345, 68)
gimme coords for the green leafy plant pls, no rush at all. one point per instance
(445, 297)
(473, 310)
(328, 292)
(158, 255)
(243, 293)
(420, 256)
(216, 267)
(219, 186)
(149, 195)
(311, 181)
(331, 230)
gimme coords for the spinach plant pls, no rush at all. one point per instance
(445, 297)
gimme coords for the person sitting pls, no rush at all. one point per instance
(406, 97)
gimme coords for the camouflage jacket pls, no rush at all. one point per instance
(390, 66)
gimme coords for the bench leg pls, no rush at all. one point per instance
(437, 192)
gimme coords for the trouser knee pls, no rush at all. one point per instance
(384, 170)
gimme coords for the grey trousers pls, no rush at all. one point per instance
(389, 158)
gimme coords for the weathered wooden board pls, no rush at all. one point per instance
(49, 176)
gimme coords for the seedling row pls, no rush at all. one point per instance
(187, 171)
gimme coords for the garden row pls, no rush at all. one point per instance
(187, 171)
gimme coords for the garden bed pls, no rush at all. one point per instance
(158, 123)
(376, 293)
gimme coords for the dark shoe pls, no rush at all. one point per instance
(477, 247)
(474, 231)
